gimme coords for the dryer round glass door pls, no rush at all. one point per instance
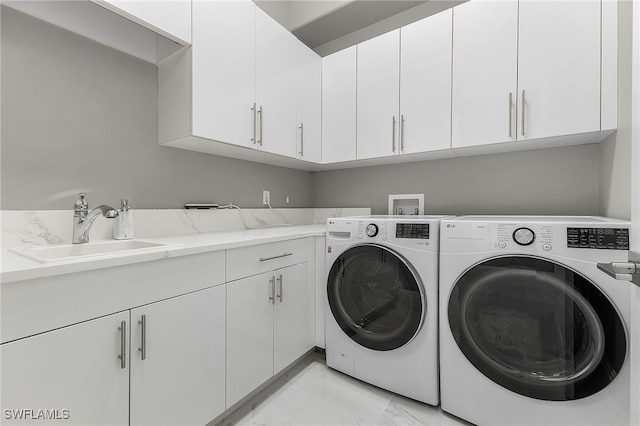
(537, 328)
(376, 297)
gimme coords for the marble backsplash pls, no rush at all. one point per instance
(42, 227)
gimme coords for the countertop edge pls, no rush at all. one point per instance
(183, 245)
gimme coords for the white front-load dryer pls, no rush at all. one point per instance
(381, 308)
(531, 332)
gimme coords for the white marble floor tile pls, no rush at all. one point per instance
(362, 399)
(313, 394)
(293, 406)
(404, 411)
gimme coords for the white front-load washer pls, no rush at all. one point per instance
(381, 308)
(531, 332)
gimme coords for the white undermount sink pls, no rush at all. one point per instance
(100, 249)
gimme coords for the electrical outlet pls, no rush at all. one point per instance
(266, 197)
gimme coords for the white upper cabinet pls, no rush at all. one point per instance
(339, 106)
(127, 31)
(425, 84)
(169, 18)
(403, 91)
(275, 86)
(235, 92)
(309, 105)
(485, 72)
(378, 97)
(223, 74)
(558, 68)
(525, 70)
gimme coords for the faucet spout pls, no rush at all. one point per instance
(83, 219)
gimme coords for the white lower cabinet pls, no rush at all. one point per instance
(266, 327)
(69, 376)
(177, 359)
(93, 372)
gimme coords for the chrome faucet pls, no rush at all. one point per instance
(83, 218)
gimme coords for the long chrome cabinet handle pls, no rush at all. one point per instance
(402, 133)
(123, 344)
(301, 139)
(264, 259)
(279, 279)
(393, 134)
(510, 113)
(523, 113)
(253, 133)
(143, 344)
(260, 125)
(272, 293)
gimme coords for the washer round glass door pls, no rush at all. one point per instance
(376, 297)
(537, 328)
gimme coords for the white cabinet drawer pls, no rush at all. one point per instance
(247, 261)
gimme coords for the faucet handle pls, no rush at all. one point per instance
(81, 204)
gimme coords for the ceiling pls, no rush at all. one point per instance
(331, 25)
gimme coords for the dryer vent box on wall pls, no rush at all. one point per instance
(406, 204)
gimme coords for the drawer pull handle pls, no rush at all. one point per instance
(264, 259)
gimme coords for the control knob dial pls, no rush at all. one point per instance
(371, 230)
(524, 236)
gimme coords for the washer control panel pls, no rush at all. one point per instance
(516, 235)
(372, 231)
(404, 233)
(412, 230)
(598, 238)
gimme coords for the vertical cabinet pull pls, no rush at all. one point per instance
(393, 134)
(143, 341)
(260, 116)
(523, 113)
(510, 113)
(272, 290)
(402, 133)
(123, 344)
(253, 133)
(301, 139)
(280, 287)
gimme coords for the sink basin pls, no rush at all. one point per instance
(101, 249)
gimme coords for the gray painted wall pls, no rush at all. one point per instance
(615, 151)
(553, 181)
(79, 116)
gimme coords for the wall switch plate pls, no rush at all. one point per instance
(266, 197)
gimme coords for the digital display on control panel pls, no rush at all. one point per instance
(412, 230)
(598, 238)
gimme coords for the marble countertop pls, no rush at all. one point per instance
(14, 267)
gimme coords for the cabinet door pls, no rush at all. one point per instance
(309, 104)
(425, 84)
(485, 35)
(75, 369)
(223, 70)
(339, 106)
(181, 379)
(249, 335)
(378, 96)
(275, 86)
(170, 18)
(558, 68)
(290, 316)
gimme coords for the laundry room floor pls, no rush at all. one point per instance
(313, 394)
